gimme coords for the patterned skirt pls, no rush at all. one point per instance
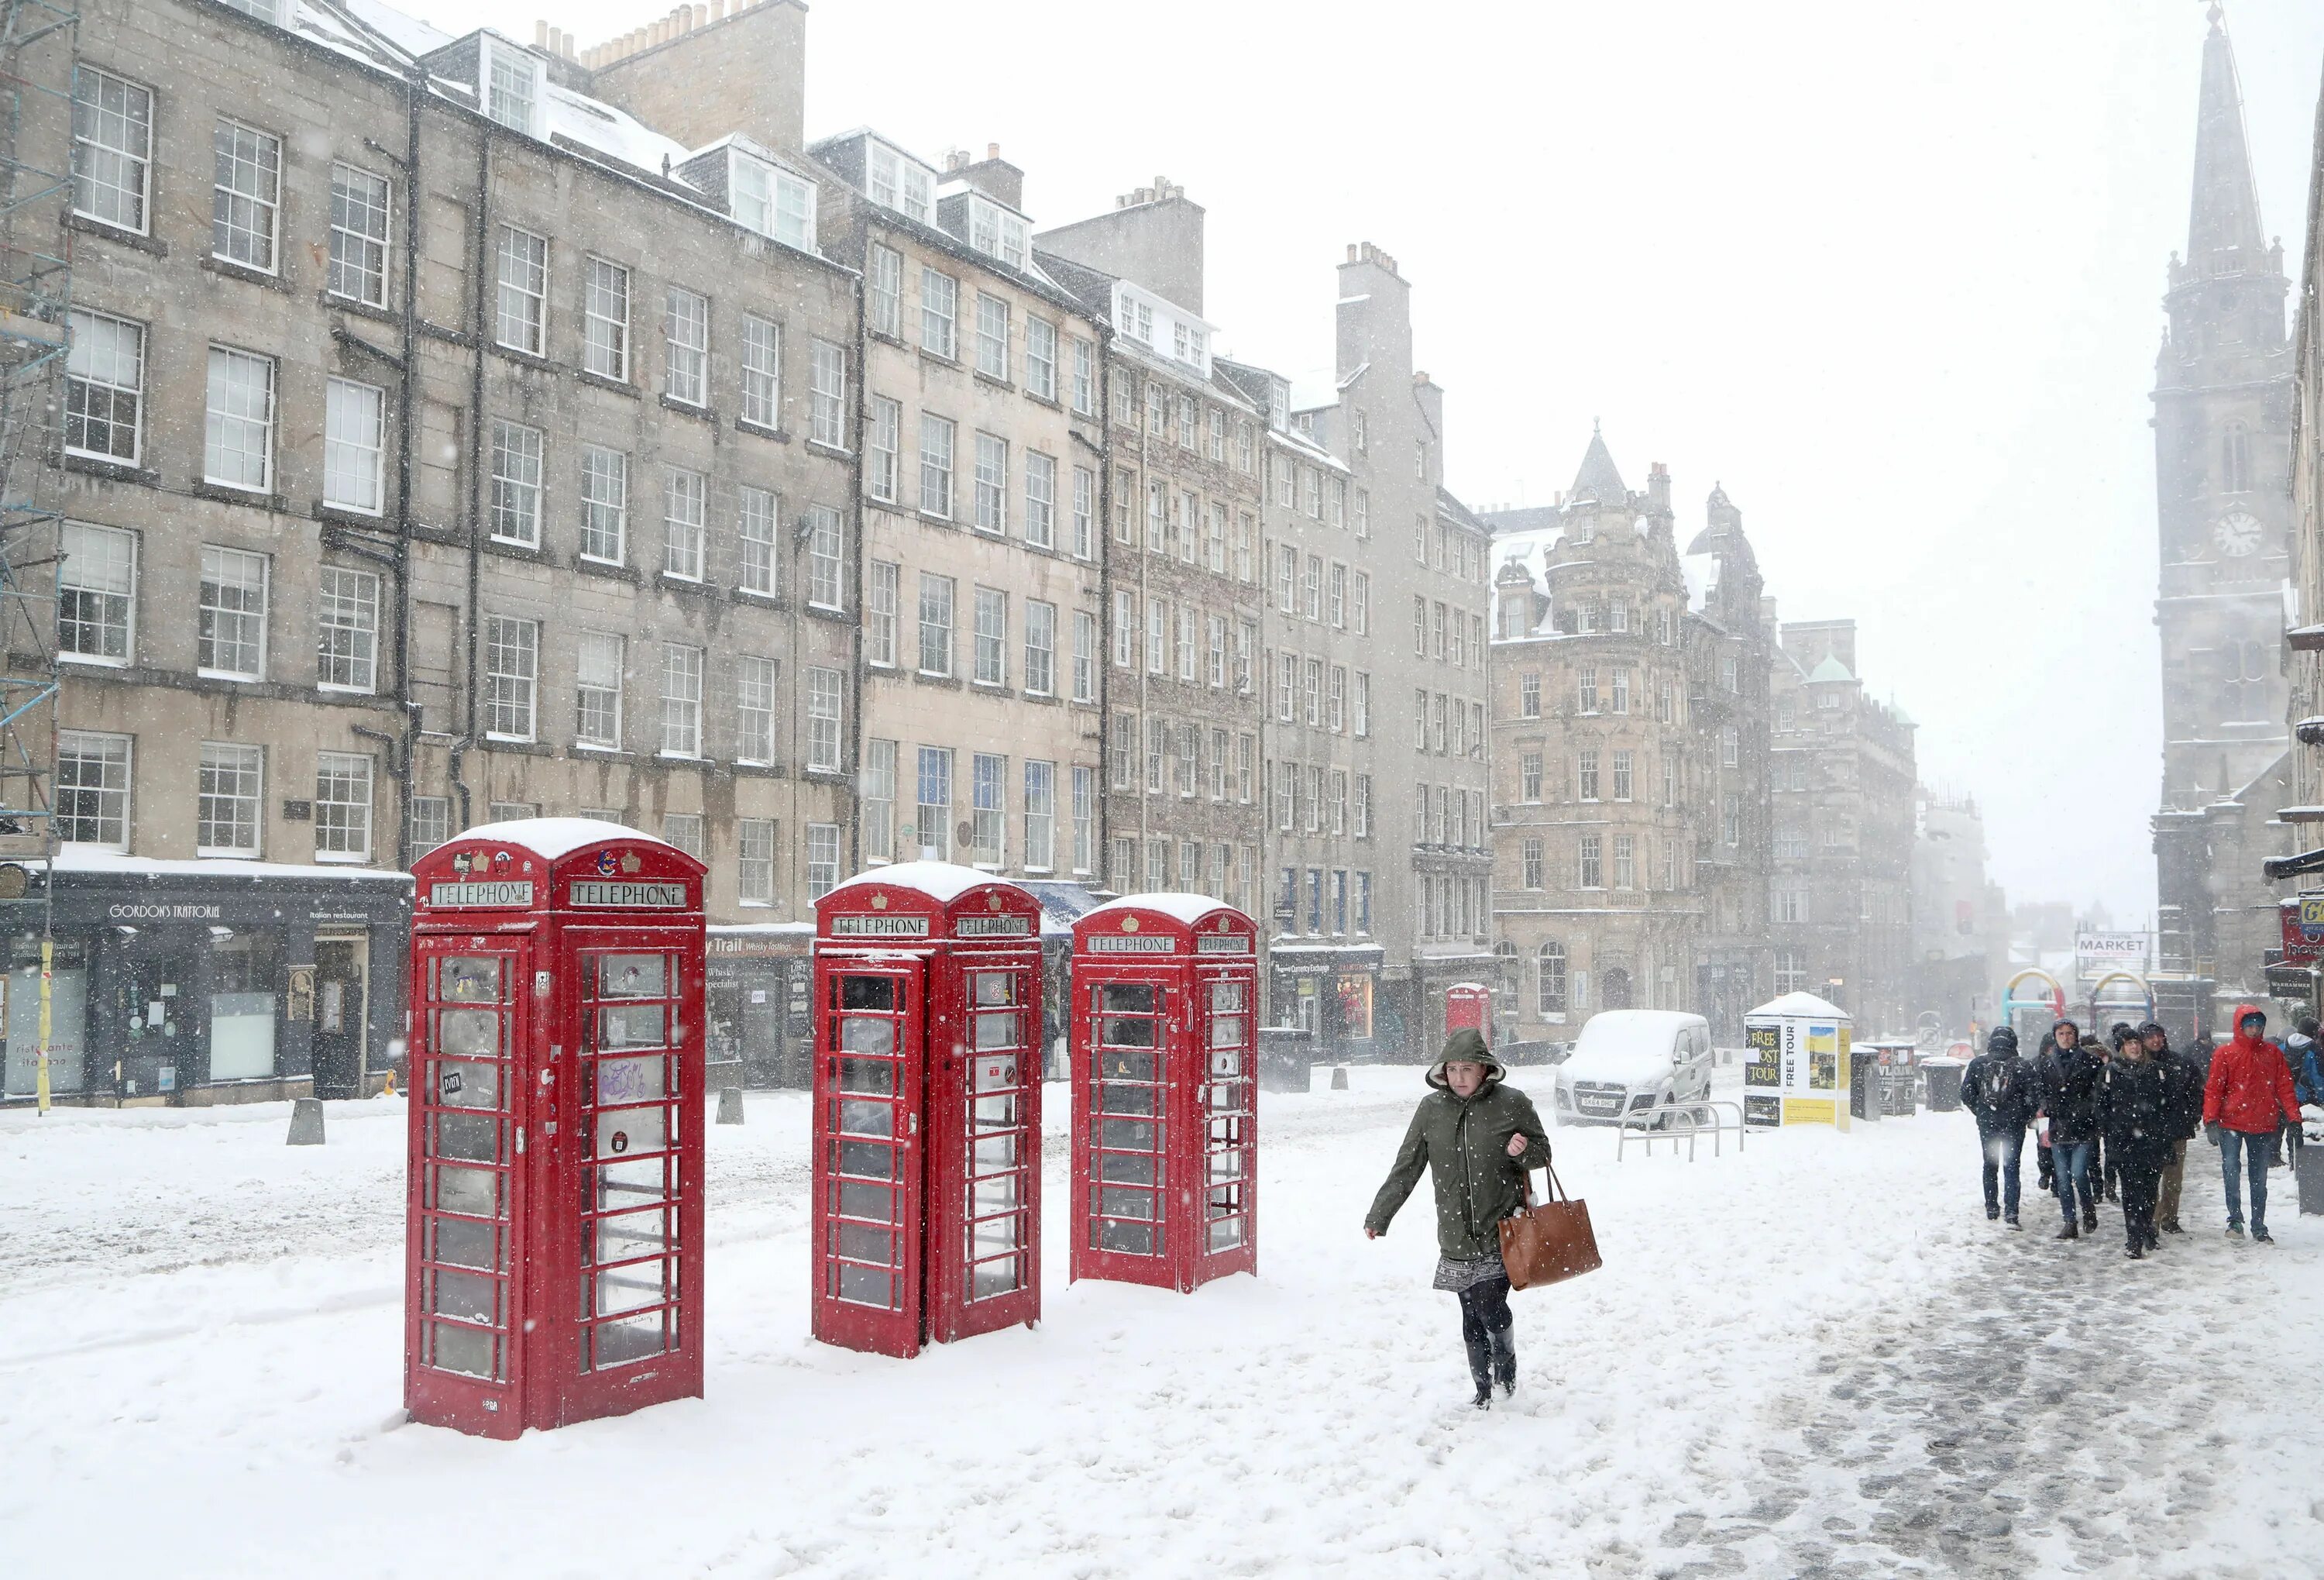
(1456, 1274)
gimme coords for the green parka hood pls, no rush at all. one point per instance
(1466, 1046)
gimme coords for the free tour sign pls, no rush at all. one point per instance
(1798, 1069)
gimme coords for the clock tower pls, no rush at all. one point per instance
(2223, 401)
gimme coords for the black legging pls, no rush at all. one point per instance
(1485, 1309)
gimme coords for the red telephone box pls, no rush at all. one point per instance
(554, 1265)
(1469, 1004)
(927, 1108)
(1165, 1129)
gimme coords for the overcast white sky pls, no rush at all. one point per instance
(1891, 272)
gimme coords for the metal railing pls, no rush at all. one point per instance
(1680, 1122)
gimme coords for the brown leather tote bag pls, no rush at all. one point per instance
(1549, 1242)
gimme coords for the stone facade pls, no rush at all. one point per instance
(2223, 424)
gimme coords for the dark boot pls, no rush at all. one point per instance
(1481, 1370)
(1505, 1359)
(2070, 1232)
(2090, 1217)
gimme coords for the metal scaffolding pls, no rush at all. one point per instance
(37, 38)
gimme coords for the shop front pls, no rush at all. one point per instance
(1331, 992)
(758, 1004)
(193, 983)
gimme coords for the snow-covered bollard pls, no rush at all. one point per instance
(730, 1105)
(306, 1122)
(1339, 1078)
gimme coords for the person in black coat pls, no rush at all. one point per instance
(1998, 1088)
(2068, 1077)
(2182, 1084)
(2134, 1113)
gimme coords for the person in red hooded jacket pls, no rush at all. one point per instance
(2247, 1100)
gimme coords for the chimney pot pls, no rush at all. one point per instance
(1352, 252)
(992, 150)
(539, 35)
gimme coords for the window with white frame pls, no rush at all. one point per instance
(1217, 626)
(881, 594)
(876, 797)
(92, 793)
(932, 815)
(1185, 618)
(512, 83)
(427, 819)
(521, 321)
(361, 207)
(1790, 970)
(246, 199)
(1041, 499)
(939, 313)
(686, 346)
(772, 200)
(883, 291)
(822, 859)
(987, 789)
(343, 793)
(936, 463)
(685, 523)
(354, 420)
(515, 507)
(112, 148)
(1084, 819)
(1041, 358)
(1125, 628)
(823, 558)
(993, 230)
(1040, 648)
(903, 184)
(96, 593)
(762, 377)
(991, 501)
(822, 698)
(346, 629)
(882, 442)
(681, 700)
(238, 442)
(1360, 708)
(511, 677)
(991, 335)
(991, 654)
(1085, 656)
(684, 830)
(104, 387)
(604, 504)
(598, 690)
(827, 391)
(936, 623)
(1040, 817)
(754, 861)
(233, 627)
(754, 710)
(605, 319)
(755, 561)
(226, 806)
(1084, 377)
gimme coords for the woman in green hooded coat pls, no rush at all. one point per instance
(1476, 1138)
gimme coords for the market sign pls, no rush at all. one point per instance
(502, 894)
(2113, 948)
(636, 896)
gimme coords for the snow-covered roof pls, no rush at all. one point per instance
(594, 123)
(407, 32)
(81, 858)
(1832, 669)
(1803, 1005)
(556, 837)
(1187, 908)
(942, 882)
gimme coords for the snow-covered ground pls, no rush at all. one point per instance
(1812, 1358)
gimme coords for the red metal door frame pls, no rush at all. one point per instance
(983, 1107)
(1123, 1261)
(1222, 1097)
(869, 1116)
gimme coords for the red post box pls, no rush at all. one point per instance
(1469, 1004)
(554, 1266)
(1165, 1175)
(927, 1108)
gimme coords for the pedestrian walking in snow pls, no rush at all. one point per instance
(2245, 1101)
(2299, 1057)
(2182, 1083)
(2069, 1081)
(1476, 1138)
(2102, 1160)
(1998, 1088)
(2134, 1116)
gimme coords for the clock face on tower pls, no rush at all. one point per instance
(2236, 532)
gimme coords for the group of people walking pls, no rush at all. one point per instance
(2116, 1120)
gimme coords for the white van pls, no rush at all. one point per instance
(1631, 1059)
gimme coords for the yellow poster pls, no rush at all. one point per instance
(1808, 1111)
(1823, 1058)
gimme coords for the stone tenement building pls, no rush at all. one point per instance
(2223, 425)
(1629, 741)
(981, 461)
(1182, 802)
(1843, 778)
(2295, 978)
(431, 453)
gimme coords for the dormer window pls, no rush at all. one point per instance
(275, 11)
(1278, 405)
(512, 84)
(994, 231)
(903, 184)
(770, 199)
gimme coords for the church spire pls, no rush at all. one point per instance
(2226, 213)
(1599, 478)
